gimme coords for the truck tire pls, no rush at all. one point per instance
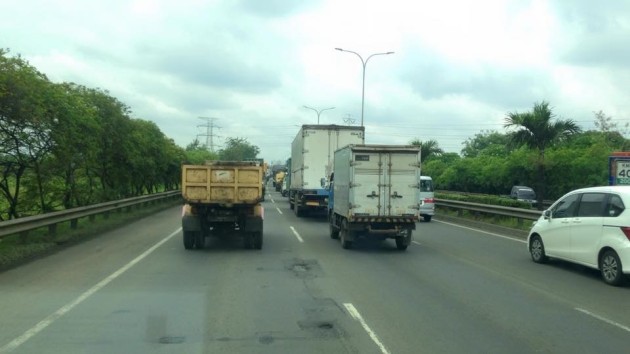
(200, 240)
(402, 242)
(344, 235)
(189, 239)
(257, 239)
(427, 218)
(334, 232)
(298, 211)
(248, 241)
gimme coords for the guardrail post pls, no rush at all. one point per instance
(92, 218)
(74, 223)
(106, 215)
(519, 222)
(23, 237)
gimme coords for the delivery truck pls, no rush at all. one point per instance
(375, 193)
(312, 154)
(223, 199)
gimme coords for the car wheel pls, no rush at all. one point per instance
(427, 218)
(537, 250)
(189, 239)
(610, 266)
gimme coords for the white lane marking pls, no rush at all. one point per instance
(273, 201)
(417, 243)
(483, 232)
(279, 211)
(604, 319)
(296, 234)
(357, 316)
(14, 344)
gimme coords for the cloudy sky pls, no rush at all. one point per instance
(459, 66)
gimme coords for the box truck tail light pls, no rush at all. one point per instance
(626, 231)
(429, 200)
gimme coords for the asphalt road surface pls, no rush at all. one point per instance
(455, 290)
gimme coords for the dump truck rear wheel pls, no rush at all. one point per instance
(189, 239)
(199, 240)
(334, 232)
(257, 239)
(402, 242)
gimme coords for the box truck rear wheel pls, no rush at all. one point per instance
(189, 239)
(345, 235)
(402, 242)
(334, 231)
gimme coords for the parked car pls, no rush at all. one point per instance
(427, 198)
(524, 194)
(588, 226)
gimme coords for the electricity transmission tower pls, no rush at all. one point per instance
(210, 126)
(349, 120)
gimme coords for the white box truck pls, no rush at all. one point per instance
(375, 192)
(312, 153)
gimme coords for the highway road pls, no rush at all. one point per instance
(455, 290)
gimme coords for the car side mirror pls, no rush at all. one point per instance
(547, 214)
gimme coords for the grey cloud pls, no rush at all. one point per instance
(435, 79)
(595, 33)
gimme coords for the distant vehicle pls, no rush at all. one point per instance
(524, 194)
(312, 152)
(589, 226)
(285, 187)
(427, 198)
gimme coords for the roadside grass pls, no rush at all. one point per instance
(18, 249)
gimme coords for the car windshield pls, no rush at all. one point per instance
(426, 185)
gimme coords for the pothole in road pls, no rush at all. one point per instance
(303, 268)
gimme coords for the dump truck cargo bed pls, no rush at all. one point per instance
(225, 182)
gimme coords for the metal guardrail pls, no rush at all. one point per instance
(50, 220)
(518, 213)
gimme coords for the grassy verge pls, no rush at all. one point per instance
(16, 249)
(497, 220)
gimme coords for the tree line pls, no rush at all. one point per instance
(554, 156)
(64, 145)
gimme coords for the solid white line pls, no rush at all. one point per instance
(273, 201)
(279, 211)
(357, 316)
(483, 232)
(610, 322)
(14, 344)
(296, 234)
(417, 243)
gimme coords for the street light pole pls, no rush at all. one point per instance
(318, 112)
(364, 62)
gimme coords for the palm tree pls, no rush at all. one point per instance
(536, 130)
(427, 148)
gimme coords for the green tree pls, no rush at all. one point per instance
(197, 154)
(489, 143)
(428, 148)
(538, 130)
(238, 149)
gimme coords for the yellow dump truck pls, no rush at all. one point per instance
(223, 199)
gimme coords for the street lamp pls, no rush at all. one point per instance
(318, 112)
(364, 62)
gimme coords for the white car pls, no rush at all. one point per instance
(588, 226)
(427, 198)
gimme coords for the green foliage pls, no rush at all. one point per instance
(238, 149)
(197, 154)
(66, 145)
